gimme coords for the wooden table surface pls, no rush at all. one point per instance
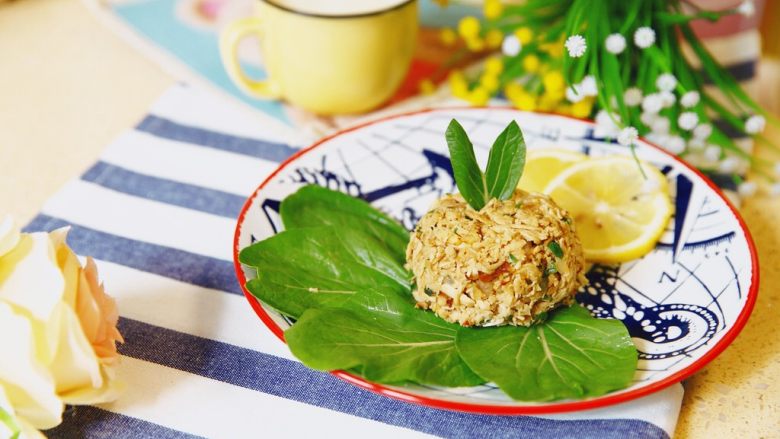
(68, 86)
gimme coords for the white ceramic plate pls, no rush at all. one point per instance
(683, 303)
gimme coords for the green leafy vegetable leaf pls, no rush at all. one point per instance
(505, 162)
(382, 336)
(571, 355)
(314, 267)
(468, 177)
(313, 206)
(555, 248)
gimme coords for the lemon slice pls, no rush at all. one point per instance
(542, 165)
(619, 214)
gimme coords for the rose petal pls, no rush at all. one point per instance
(109, 391)
(98, 314)
(75, 364)
(28, 431)
(68, 263)
(28, 385)
(30, 277)
(87, 307)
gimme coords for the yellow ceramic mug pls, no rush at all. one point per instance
(328, 63)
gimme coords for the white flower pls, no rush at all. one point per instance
(687, 120)
(666, 82)
(728, 165)
(747, 189)
(774, 189)
(660, 125)
(702, 131)
(755, 124)
(575, 93)
(667, 99)
(628, 136)
(675, 145)
(511, 46)
(696, 144)
(690, 99)
(648, 118)
(615, 43)
(712, 153)
(632, 96)
(644, 37)
(605, 122)
(576, 46)
(652, 103)
(588, 85)
(747, 8)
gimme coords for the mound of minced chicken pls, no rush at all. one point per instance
(505, 264)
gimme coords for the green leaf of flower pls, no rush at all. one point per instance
(505, 163)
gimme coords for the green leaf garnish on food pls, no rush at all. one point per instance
(468, 177)
(317, 206)
(315, 267)
(385, 338)
(570, 355)
(505, 162)
(556, 249)
(504, 166)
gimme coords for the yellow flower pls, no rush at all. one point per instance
(494, 38)
(475, 44)
(548, 101)
(494, 65)
(553, 81)
(525, 101)
(448, 36)
(458, 84)
(63, 347)
(479, 96)
(582, 108)
(564, 109)
(524, 35)
(489, 82)
(531, 63)
(468, 28)
(442, 3)
(555, 48)
(493, 9)
(426, 87)
(513, 90)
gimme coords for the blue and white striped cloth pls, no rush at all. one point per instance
(157, 212)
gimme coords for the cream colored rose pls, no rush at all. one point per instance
(58, 325)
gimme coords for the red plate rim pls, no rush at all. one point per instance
(589, 404)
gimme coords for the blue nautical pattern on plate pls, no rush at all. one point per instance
(676, 302)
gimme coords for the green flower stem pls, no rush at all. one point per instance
(10, 422)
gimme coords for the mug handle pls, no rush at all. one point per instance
(228, 47)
